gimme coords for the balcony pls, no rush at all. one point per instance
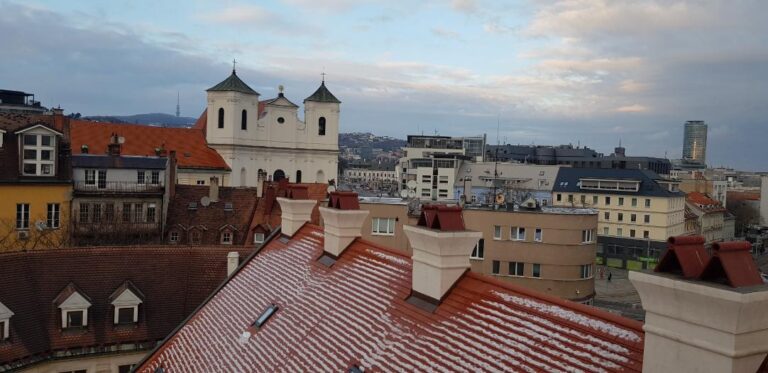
(111, 228)
(117, 187)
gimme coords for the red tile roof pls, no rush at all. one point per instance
(355, 313)
(703, 201)
(190, 145)
(173, 280)
(268, 213)
(743, 196)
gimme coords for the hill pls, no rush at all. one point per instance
(152, 119)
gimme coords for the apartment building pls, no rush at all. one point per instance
(638, 211)
(551, 250)
(480, 183)
(710, 217)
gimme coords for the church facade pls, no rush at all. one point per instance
(266, 140)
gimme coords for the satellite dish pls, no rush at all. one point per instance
(500, 199)
(205, 201)
(40, 225)
(404, 193)
(121, 140)
(411, 193)
(412, 184)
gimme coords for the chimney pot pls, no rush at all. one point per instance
(343, 221)
(295, 212)
(233, 261)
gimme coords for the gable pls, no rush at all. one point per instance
(5, 313)
(75, 301)
(127, 298)
(38, 128)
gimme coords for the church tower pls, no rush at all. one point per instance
(232, 112)
(321, 114)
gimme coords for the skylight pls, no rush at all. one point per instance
(265, 316)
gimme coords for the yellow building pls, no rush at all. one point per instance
(35, 186)
(638, 211)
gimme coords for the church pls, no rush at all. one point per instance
(265, 139)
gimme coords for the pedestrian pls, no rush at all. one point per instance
(610, 275)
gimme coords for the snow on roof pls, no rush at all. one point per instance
(354, 313)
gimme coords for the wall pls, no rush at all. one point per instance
(98, 364)
(187, 176)
(381, 210)
(38, 197)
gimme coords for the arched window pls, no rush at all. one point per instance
(244, 120)
(321, 126)
(278, 175)
(221, 117)
(298, 176)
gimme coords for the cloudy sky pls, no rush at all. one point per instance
(586, 72)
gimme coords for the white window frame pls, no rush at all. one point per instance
(74, 303)
(586, 271)
(389, 230)
(257, 240)
(23, 223)
(478, 252)
(135, 310)
(538, 235)
(5, 318)
(53, 216)
(226, 238)
(141, 177)
(587, 236)
(38, 148)
(174, 237)
(515, 234)
(497, 232)
(154, 178)
(519, 269)
(126, 300)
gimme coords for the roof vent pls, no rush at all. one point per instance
(192, 206)
(685, 255)
(264, 317)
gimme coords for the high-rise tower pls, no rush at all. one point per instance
(695, 141)
(178, 106)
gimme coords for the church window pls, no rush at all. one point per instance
(298, 176)
(321, 126)
(221, 117)
(281, 120)
(244, 120)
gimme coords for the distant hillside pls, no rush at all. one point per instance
(152, 119)
(369, 140)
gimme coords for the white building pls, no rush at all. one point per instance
(266, 140)
(361, 174)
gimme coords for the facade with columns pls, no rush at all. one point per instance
(266, 140)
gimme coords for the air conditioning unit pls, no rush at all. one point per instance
(23, 235)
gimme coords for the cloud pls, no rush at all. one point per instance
(241, 14)
(445, 33)
(464, 6)
(636, 108)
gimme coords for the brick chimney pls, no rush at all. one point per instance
(233, 261)
(343, 222)
(115, 145)
(716, 322)
(296, 209)
(213, 191)
(441, 249)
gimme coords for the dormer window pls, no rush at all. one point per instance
(5, 322)
(226, 238)
(74, 307)
(38, 151)
(126, 301)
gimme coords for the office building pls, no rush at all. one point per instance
(695, 142)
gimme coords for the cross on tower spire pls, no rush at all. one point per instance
(323, 74)
(234, 63)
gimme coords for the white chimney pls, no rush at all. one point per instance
(233, 260)
(213, 192)
(294, 213)
(700, 326)
(441, 250)
(343, 221)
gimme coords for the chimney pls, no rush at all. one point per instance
(171, 187)
(343, 222)
(213, 193)
(57, 111)
(692, 325)
(233, 260)
(115, 143)
(296, 209)
(441, 250)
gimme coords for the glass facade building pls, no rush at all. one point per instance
(695, 141)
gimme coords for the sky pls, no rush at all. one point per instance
(548, 72)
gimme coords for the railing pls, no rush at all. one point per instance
(102, 187)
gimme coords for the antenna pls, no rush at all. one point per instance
(323, 75)
(234, 64)
(178, 107)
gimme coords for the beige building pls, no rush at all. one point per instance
(551, 250)
(638, 211)
(710, 217)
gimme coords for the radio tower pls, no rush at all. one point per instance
(178, 108)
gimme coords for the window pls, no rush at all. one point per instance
(244, 120)
(607, 215)
(38, 155)
(4, 325)
(479, 251)
(155, 177)
(631, 233)
(194, 237)
(443, 179)
(383, 226)
(101, 179)
(426, 192)
(226, 238)
(90, 177)
(570, 198)
(321, 126)
(281, 120)
(605, 231)
(517, 233)
(74, 319)
(140, 177)
(621, 201)
(634, 202)
(426, 178)
(200, 182)
(126, 212)
(633, 218)
(151, 212)
(559, 197)
(442, 193)
(621, 216)
(109, 212)
(96, 216)
(594, 200)
(221, 117)
(607, 201)
(496, 232)
(125, 315)
(647, 203)
(516, 269)
(586, 271)
(646, 234)
(537, 235)
(536, 270)
(587, 236)
(174, 237)
(583, 199)
(647, 219)
(54, 214)
(258, 238)
(84, 212)
(265, 316)
(619, 232)
(138, 213)
(495, 269)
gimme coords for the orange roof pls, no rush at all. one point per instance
(192, 151)
(703, 201)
